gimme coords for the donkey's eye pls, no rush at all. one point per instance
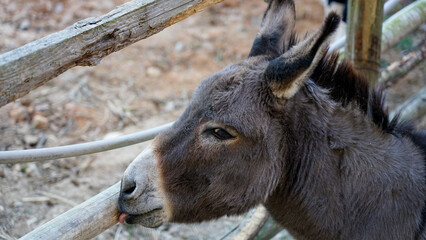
(219, 133)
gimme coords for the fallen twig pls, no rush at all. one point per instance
(58, 198)
(36, 199)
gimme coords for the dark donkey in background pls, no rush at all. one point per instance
(292, 129)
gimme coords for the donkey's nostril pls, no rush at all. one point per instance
(130, 190)
(128, 187)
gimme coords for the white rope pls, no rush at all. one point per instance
(36, 155)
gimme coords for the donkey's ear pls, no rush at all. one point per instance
(276, 33)
(288, 72)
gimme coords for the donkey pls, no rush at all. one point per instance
(290, 128)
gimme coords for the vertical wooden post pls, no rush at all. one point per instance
(364, 34)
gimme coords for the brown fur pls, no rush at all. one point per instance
(301, 134)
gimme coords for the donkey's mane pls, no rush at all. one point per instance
(346, 86)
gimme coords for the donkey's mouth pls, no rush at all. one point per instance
(151, 219)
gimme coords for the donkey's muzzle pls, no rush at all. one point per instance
(139, 201)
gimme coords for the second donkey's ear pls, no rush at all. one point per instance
(276, 31)
(286, 74)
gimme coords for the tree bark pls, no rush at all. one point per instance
(364, 34)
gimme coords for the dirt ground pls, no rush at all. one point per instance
(144, 85)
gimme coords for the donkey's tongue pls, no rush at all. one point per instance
(122, 217)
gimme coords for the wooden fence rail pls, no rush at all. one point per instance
(84, 221)
(86, 42)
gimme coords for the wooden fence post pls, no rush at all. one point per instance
(364, 34)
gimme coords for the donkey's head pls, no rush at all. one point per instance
(221, 157)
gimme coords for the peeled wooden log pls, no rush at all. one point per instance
(84, 221)
(393, 6)
(402, 23)
(86, 42)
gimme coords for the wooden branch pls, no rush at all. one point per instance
(257, 225)
(402, 23)
(86, 42)
(400, 68)
(84, 221)
(413, 108)
(250, 226)
(363, 36)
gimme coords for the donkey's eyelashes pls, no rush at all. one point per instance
(219, 133)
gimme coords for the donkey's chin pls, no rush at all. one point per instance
(152, 219)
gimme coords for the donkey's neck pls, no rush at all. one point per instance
(339, 169)
(311, 174)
